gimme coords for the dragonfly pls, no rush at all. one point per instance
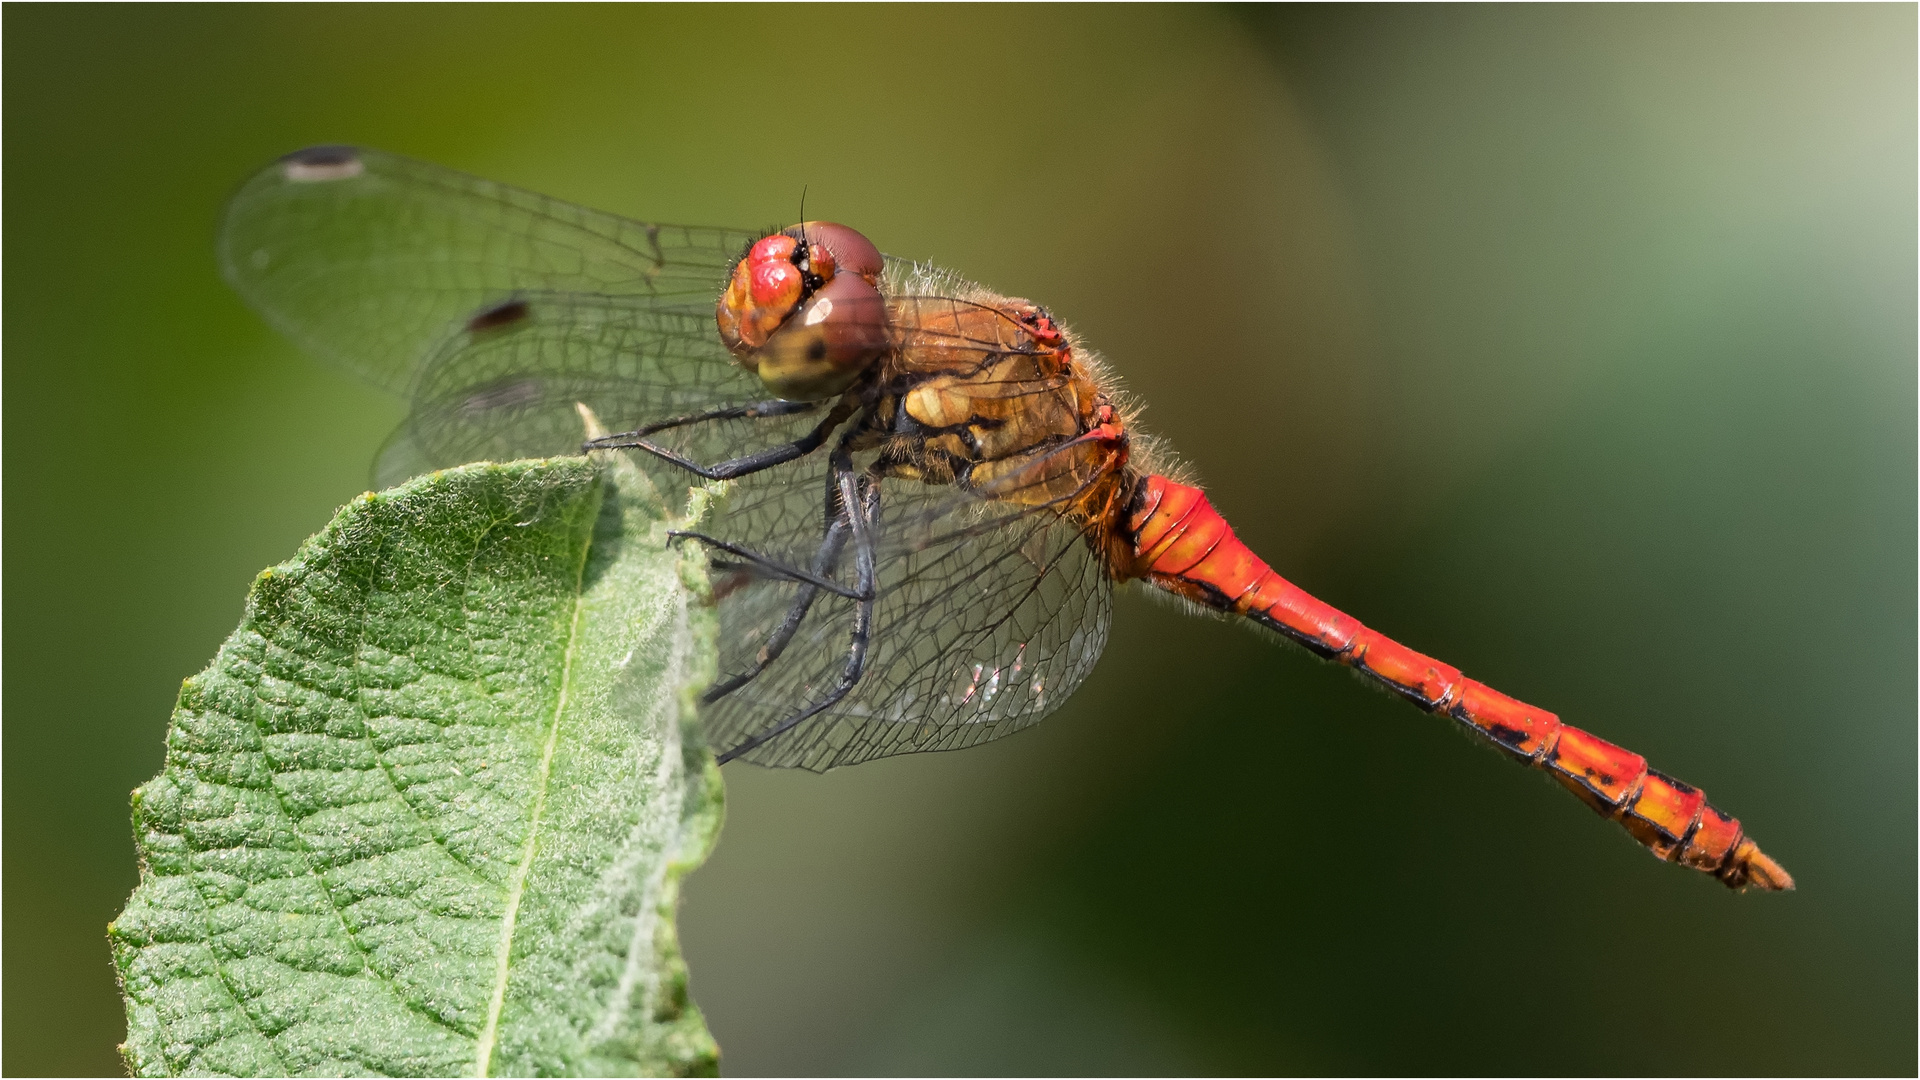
(932, 488)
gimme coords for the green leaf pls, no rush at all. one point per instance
(427, 811)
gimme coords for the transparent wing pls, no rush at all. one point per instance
(366, 258)
(504, 383)
(989, 613)
(974, 636)
(496, 311)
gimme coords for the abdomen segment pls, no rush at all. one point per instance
(1181, 544)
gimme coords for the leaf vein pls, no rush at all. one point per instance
(516, 887)
(306, 851)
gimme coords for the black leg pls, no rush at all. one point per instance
(864, 508)
(756, 411)
(782, 635)
(772, 567)
(740, 466)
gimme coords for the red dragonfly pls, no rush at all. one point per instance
(933, 487)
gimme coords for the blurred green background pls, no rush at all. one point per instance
(1575, 346)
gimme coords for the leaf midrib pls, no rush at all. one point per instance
(517, 882)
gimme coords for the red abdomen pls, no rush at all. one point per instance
(1181, 544)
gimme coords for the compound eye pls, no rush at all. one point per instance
(771, 248)
(765, 288)
(850, 250)
(775, 286)
(837, 334)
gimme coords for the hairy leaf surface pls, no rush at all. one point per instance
(426, 812)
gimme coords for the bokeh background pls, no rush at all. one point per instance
(1575, 346)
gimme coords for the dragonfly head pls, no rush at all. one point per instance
(803, 310)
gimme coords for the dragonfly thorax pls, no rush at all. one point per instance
(1023, 422)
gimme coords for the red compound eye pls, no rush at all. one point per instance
(765, 288)
(775, 284)
(768, 248)
(837, 334)
(850, 250)
(831, 325)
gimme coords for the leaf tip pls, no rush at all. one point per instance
(589, 420)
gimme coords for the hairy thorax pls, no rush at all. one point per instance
(990, 394)
(951, 384)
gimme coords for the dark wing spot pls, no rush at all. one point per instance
(502, 314)
(317, 164)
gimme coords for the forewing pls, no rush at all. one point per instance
(366, 259)
(506, 383)
(989, 614)
(498, 311)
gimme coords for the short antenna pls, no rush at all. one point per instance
(806, 243)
